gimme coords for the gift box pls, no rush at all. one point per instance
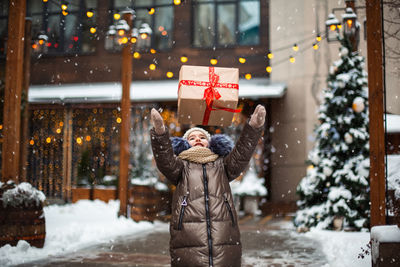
(207, 95)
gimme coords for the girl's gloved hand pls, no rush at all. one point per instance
(157, 121)
(257, 119)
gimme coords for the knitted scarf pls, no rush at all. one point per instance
(198, 154)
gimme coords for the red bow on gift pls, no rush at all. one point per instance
(210, 93)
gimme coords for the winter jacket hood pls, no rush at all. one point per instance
(220, 144)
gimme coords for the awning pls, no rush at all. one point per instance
(141, 91)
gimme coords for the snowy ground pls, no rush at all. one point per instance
(75, 226)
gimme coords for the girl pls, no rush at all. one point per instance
(204, 228)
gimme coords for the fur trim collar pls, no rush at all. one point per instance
(220, 144)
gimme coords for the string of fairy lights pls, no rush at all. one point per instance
(297, 48)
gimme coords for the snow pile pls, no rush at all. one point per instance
(72, 227)
(23, 194)
(383, 234)
(342, 248)
(250, 185)
(393, 175)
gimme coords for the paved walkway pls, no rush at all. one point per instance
(267, 241)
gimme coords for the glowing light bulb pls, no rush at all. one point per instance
(295, 47)
(93, 30)
(268, 69)
(48, 140)
(58, 130)
(88, 138)
(315, 46)
(64, 7)
(153, 51)
(270, 55)
(332, 27)
(292, 59)
(170, 74)
(119, 120)
(151, 11)
(89, 14)
(184, 59)
(242, 60)
(318, 38)
(133, 40)
(143, 35)
(152, 66)
(177, 2)
(79, 140)
(117, 16)
(136, 55)
(247, 76)
(213, 61)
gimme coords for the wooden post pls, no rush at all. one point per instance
(67, 154)
(25, 88)
(377, 138)
(126, 79)
(12, 92)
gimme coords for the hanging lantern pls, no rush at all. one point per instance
(292, 59)
(332, 28)
(110, 38)
(40, 44)
(145, 33)
(122, 29)
(351, 27)
(295, 47)
(213, 61)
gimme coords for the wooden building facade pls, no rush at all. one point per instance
(64, 129)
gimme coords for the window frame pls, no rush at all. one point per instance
(216, 4)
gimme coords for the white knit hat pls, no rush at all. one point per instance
(188, 132)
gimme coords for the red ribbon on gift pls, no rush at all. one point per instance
(211, 93)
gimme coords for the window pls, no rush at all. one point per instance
(224, 23)
(161, 21)
(69, 32)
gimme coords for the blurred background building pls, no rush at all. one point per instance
(280, 48)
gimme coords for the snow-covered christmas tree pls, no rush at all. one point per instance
(336, 186)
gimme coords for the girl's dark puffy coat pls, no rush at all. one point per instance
(204, 228)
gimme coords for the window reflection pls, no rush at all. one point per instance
(226, 23)
(69, 32)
